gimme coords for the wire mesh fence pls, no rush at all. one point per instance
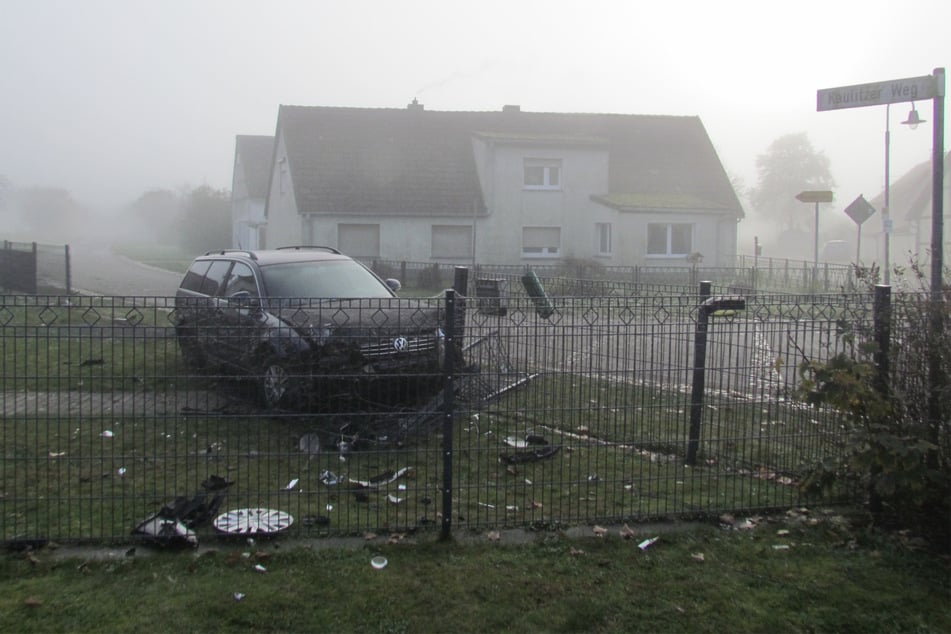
(137, 415)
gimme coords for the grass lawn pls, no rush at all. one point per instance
(806, 571)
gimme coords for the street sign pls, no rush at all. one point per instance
(859, 210)
(814, 197)
(876, 94)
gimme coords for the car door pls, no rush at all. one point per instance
(210, 326)
(240, 308)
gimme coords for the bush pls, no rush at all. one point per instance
(899, 444)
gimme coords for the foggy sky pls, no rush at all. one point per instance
(110, 98)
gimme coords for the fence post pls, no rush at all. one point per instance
(69, 274)
(460, 284)
(882, 325)
(699, 370)
(448, 397)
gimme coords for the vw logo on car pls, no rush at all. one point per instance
(400, 343)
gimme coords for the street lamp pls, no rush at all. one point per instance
(912, 122)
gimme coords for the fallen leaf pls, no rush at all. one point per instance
(627, 532)
(494, 536)
(32, 602)
(575, 552)
(369, 536)
(697, 557)
(599, 531)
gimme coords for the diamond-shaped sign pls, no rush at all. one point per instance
(859, 210)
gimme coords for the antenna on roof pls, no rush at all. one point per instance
(415, 106)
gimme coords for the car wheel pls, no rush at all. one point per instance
(276, 384)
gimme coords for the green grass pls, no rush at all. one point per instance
(168, 257)
(824, 578)
(60, 475)
(95, 344)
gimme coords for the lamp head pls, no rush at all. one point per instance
(913, 118)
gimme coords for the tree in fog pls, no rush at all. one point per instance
(789, 166)
(50, 214)
(206, 219)
(156, 215)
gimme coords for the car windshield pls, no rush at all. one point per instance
(328, 279)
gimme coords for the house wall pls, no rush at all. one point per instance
(285, 226)
(512, 207)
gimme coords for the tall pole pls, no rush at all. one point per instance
(815, 250)
(886, 210)
(937, 188)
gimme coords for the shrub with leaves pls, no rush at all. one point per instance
(899, 436)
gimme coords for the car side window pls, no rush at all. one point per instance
(214, 277)
(241, 279)
(195, 275)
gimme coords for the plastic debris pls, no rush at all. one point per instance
(309, 443)
(167, 531)
(647, 543)
(253, 521)
(378, 562)
(107, 434)
(329, 478)
(290, 485)
(520, 457)
(238, 596)
(377, 481)
(260, 568)
(698, 557)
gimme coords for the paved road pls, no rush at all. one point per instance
(99, 271)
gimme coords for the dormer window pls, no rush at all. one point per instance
(543, 174)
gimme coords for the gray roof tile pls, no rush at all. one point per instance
(420, 162)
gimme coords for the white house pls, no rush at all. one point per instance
(252, 162)
(500, 187)
(911, 197)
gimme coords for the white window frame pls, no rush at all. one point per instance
(549, 251)
(603, 240)
(553, 174)
(669, 231)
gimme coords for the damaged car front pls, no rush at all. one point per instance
(333, 353)
(314, 329)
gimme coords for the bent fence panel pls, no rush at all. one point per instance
(578, 416)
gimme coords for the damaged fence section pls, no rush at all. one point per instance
(131, 418)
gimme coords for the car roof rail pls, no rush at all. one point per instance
(250, 254)
(301, 247)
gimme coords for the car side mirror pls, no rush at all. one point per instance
(393, 284)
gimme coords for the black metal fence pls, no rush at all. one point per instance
(749, 275)
(520, 410)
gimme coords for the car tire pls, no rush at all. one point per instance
(276, 384)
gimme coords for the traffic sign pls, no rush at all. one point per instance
(814, 197)
(876, 94)
(859, 210)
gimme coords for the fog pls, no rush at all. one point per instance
(110, 99)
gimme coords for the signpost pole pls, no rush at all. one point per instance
(815, 250)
